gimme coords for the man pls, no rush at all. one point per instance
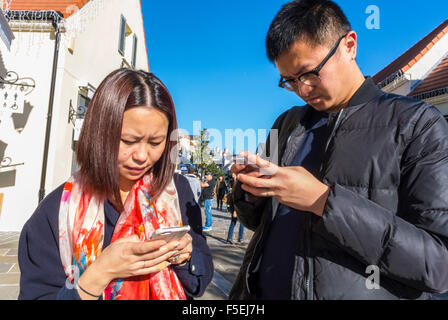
(195, 183)
(207, 195)
(358, 207)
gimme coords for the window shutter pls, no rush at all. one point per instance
(134, 52)
(122, 39)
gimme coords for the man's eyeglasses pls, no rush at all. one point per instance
(310, 78)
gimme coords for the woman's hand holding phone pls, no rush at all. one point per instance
(179, 235)
(125, 258)
(185, 248)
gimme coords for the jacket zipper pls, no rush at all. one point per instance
(310, 276)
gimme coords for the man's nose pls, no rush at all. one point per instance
(303, 90)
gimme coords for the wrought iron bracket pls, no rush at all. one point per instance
(13, 79)
(75, 114)
(6, 163)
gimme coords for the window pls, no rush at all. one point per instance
(122, 39)
(134, 52)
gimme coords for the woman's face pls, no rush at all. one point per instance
(143, 138)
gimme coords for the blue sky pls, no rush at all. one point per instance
(211, 54)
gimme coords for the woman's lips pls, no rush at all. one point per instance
(136, 170)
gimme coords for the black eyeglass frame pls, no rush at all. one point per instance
(315, 71)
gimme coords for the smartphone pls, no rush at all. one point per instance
(250, 167)
(169, 234)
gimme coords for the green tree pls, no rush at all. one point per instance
(200, 155)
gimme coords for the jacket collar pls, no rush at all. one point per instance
(368, 91)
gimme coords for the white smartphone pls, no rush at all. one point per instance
(169, 234)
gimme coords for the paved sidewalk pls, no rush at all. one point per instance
(226, 258)
(9, 267)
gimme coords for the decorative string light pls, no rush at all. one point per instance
(35, 24)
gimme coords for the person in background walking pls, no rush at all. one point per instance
(232, 180)
(220, 192)
(194, 182)
(207, 195)
(231, 209)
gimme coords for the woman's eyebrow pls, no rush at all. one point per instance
(130, 135)
(162, 136)
(136, 137)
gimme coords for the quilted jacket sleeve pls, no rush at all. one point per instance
(411, 245)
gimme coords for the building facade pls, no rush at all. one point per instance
(62, 51)
(422, 71)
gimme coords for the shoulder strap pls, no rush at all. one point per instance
(281, 130)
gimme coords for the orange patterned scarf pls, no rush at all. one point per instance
(81, 235)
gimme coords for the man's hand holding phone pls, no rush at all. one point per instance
(246, 164)
(292, 186)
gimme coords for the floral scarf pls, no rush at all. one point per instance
(81, 236)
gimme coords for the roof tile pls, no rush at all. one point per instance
(66, 7)
(437, 79)
(404, 61)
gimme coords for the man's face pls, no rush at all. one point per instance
(208, 177)
(332, 90)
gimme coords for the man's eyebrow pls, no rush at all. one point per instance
(301, 70)
(298, 73)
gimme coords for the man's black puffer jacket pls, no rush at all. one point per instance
(387, 169)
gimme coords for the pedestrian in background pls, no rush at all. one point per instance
(231, 209)
(221, 191)
(208, 194)
(195, 183)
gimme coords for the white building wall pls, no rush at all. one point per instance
(94, 55)
(28, 59)
(402, 89)
(443, 108)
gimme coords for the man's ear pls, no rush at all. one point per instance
(350, 44)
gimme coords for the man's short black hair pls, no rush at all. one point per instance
(318, 22)
(191, 170)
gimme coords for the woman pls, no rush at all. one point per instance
(221, 192)
(88, 239)
(232, 211)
